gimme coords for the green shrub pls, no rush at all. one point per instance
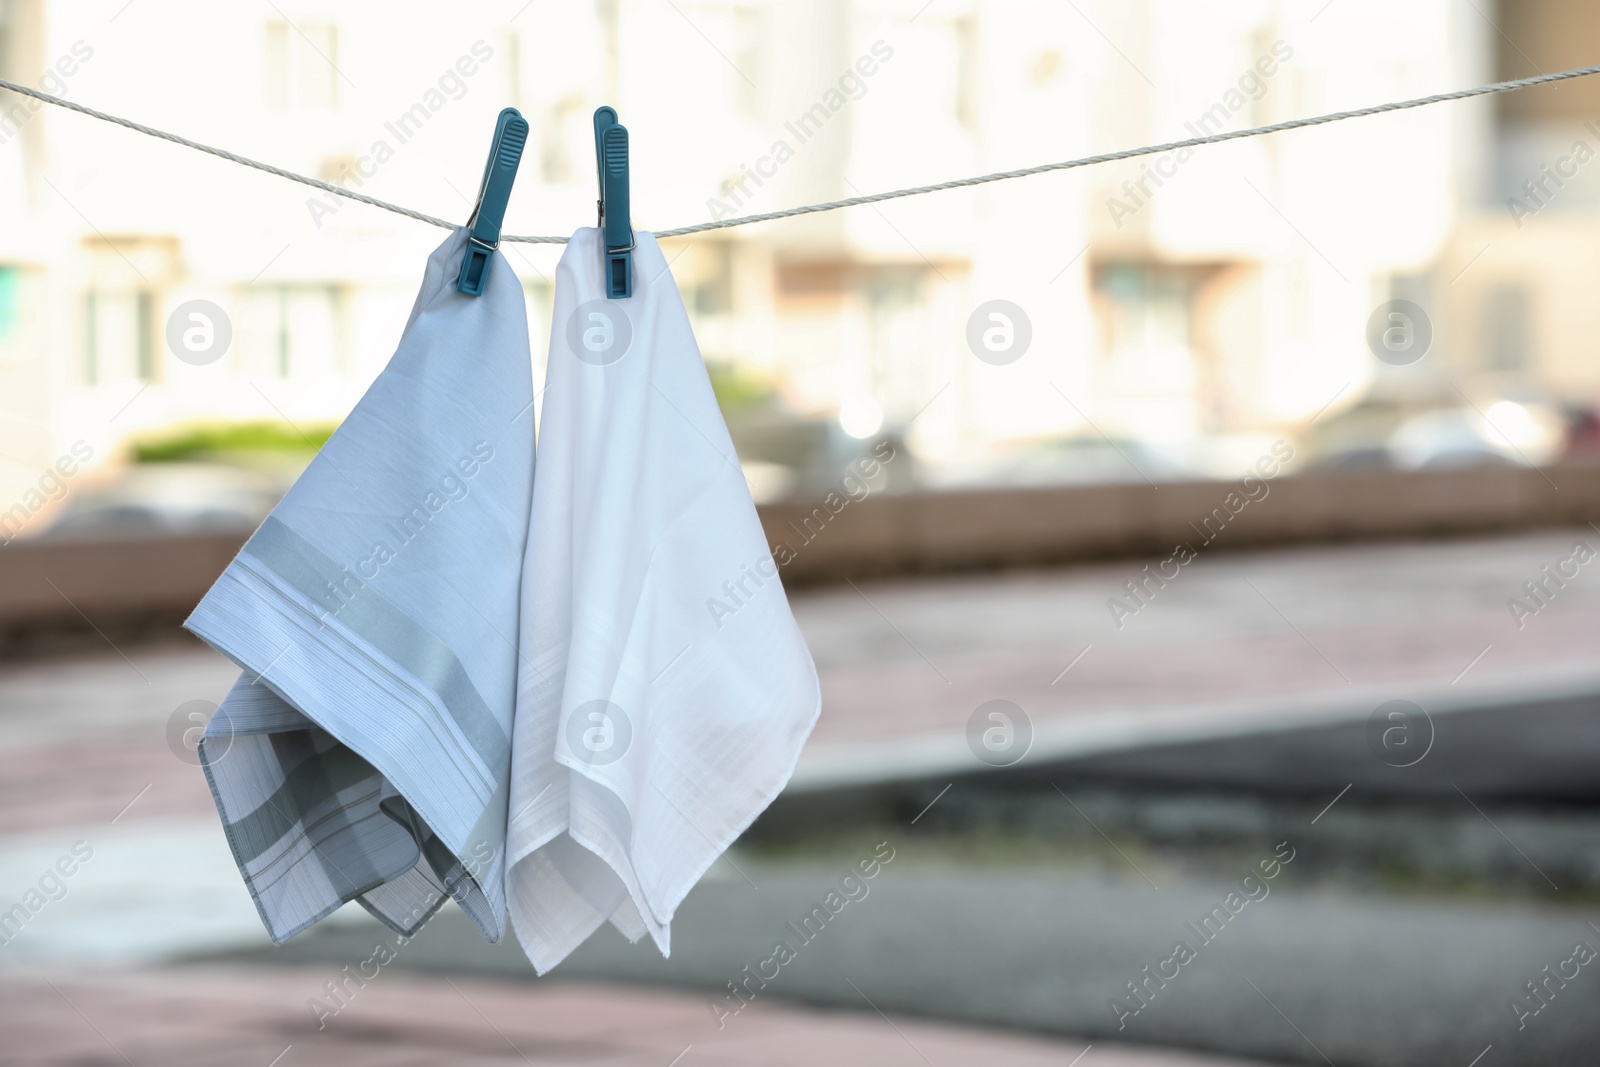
(218, 441)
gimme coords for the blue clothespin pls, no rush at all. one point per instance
(510, 135)
(611, 159)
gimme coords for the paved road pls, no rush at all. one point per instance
(222, 1017)
(1296, 976)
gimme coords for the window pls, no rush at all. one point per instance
(288, 331)
(1262, 40)
(15, 111)
(119, 344)
(713, 286)
(10, 302)
(566, 124)
(538, 298)
(121, 334)
(8, 40)
(1144, 306)
(1507, 328)
(511, 65)
(967, 72)
(302, 66)
(13, 324)
(1159, 377)
(749, 60)
(900, 333)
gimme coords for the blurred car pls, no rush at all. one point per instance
(785, 456)
(153, 498)
(1078, 460)
(1444, 440)
(1504, 432)
(1494, 433)
(1583, 431)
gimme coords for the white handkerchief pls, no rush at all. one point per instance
(365, 752)
(664, 691)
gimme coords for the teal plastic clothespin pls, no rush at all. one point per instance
(611, 159)
(510, 136)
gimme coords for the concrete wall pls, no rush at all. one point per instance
(76, 584)
(69, 584)
(952, 531)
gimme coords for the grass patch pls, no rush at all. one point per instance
(222, 441)
(738, 391)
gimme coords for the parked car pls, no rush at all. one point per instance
(1077, 460)
(151, 498)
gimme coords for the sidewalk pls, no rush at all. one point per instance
(228, 1018)
(1235, 642)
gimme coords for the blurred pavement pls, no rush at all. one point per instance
(91, 752)
(1365, 979)
(1238, 642)
(1235, 643)
(222, 1018)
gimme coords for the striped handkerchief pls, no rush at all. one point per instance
(364, 753)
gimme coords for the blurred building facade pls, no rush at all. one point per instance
(1218, 295)
(1521, 314)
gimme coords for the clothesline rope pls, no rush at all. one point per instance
(831, 205)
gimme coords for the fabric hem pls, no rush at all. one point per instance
(354, 655)
(249, 883)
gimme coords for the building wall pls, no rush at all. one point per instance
(1512, 291)
(1252, 266)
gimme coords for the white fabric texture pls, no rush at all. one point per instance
(664, 691)
(365, 752)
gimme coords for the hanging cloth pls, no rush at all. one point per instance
(664, 690)
(364, 753)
